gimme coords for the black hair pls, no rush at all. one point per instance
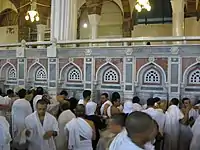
(150, 102)
(185, 99)
(138, 122)
(156, 99)
(42, 102)
(115, 97)
(174, 101)
(86, 93)
(10, 92)
(39, 91)
(136, 99)
(63, 92)
(119, 119)
(22, 93)
(73, 103)
(1, 91)
(105, 94)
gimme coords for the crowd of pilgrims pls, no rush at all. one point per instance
(33, 120)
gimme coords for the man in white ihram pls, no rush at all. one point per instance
(41, 127)
(5, 137)
(21, 108)
(80, 133)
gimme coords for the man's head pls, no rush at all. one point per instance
(39, 91)
(174, 101)
(115, 99)
(65, 106)
(150, 102)
(87, 95)
(22, 93)
(140, 127)
(136, 99)
(64, 93)
(116, 123)
(104, 97)
(10, 93)
(41, 107)
(80, 110)
(186, 102)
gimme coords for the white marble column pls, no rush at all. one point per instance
(41, 32)
(64, 19)
(178, 17)
(94, 20)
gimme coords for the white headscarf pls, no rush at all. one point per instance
(128, 107)
(90, 108)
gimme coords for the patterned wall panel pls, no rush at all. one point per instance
(140, 62)
(186, 62)
(99, 62)
(79, 62)
(62, 63)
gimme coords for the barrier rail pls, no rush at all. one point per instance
(123, 41)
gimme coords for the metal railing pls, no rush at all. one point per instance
(108, 42)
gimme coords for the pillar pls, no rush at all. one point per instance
(63, 19)
(21, 65)
(178, 17)
(94, 20)
(52, 69)
(41, 32)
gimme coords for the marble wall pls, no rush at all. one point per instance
(165, 71)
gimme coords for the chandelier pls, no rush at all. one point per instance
(32, 14)
(142, 4)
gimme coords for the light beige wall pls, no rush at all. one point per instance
(6, 4)
(110, 24)
(7, 37)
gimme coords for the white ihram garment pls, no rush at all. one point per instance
(3, 101)
(103, 106)
(21, 108)
(172, 127)
(195, 144)
(123, 142)
(65, 117)
(5, 137)
(90, 108)
(80, 134)
(35, 100)
(193, 113)
(137, 107)
(36, 141)
(158, 116)
(128, 107)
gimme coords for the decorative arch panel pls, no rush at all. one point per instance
(152, 76)
(71, 73)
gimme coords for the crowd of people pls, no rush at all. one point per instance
(33, 120)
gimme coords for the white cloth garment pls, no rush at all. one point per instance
(5, 137)
(36, 141)
(123, 142)
(195, 144)
(90, 108)
(158, 116)
(21, 108)
(103, 106)
(65, 117)
(128, 107)
(137, 107)
(81, 101)
(109, 111)
(193, 113)
(172, 127)
(149, 146)
(3, 101)
(35, 100)
(80, 134)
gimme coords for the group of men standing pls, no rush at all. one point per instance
(68, 124)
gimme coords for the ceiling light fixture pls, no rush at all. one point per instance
(32, 14)
(142, 4)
